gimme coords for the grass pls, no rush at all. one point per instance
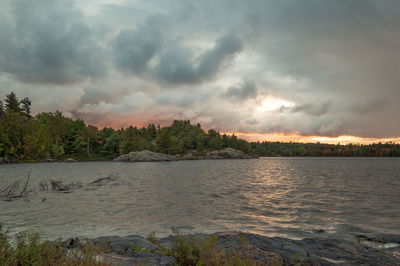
(191, 251)
(29, 249)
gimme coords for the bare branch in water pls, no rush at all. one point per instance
(11, 192)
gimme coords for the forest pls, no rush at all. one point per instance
(51, 136)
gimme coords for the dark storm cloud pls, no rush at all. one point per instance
(312, 109)
(178, 65)
(372, 105)
(309, 53)
(245, 91)
(133, 49)
(175, 64)
(47, 41)
(329, 128)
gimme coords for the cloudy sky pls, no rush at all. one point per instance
(306, 70)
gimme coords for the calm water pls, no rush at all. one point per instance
(291, 197)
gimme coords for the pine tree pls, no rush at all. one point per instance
(164, 141)
(12, 103)
(26, 107)
(1, 110)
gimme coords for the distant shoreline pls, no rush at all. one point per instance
(111, 160)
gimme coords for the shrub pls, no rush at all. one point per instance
(187, 250)
(29, 249)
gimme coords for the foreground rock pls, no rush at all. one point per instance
(124, 251)
(6, 160)
(227, 153)
(145, 156)
(136, 250)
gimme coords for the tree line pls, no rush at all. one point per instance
(52, 135)
(388, 149)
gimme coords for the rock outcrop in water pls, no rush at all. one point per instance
(227, 153)
(136, 250)
(148, 156)
(145, 156)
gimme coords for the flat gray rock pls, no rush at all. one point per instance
(227, 153)
(145, 156)
(136, 250)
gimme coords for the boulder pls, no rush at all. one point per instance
(70, 160)
(145, 156)
(5, 160)
(228, 153)
(189, 156)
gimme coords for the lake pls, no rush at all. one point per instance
(288, 197)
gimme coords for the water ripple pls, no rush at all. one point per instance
(289, 197)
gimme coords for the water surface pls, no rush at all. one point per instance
(289, 197)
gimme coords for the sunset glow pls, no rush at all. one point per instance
(271, 103)
(311, 139)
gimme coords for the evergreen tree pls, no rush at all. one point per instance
(12, 103)
(164, 141)
(1, 110)
(111, 146)
(92, 136)
(132, 141)
(26, 107)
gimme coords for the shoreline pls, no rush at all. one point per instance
(136, 249)
(111, 160)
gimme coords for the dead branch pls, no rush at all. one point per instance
(59, 186)
(11, 192)
(23, 192)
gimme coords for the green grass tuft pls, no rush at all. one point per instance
(29, 249)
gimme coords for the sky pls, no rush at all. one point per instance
(304, 70)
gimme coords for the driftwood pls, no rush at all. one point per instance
(59, 186)
(101, 181)
(13, 191)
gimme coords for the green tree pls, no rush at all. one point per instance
(12, 103)
(132, 140)
(35, 140)
(164, 141)
(5, 143)
(200, 142)
(26, 107)
(57, 151)
(92, 137)
(2, 113)
(14, 127)
(111, 146)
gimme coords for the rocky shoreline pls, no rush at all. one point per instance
(145, 156)
(137, 250)
(148, 156)
(227, 153)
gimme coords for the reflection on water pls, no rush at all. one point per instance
(291, 197)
